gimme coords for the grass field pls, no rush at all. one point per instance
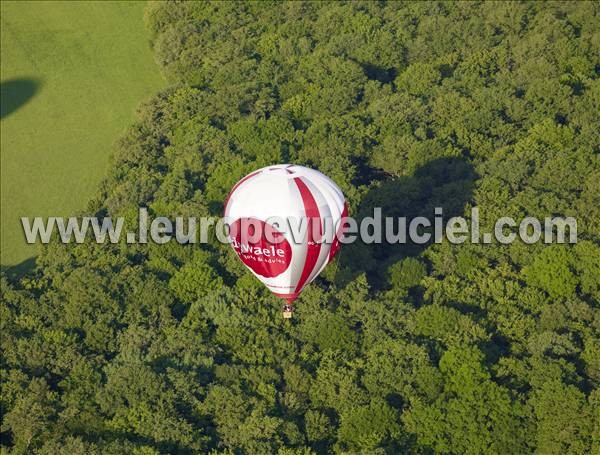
(72, 74)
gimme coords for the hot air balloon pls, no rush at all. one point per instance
(285, 258)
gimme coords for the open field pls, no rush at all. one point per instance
(72, 75)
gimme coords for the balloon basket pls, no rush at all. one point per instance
(287, 310)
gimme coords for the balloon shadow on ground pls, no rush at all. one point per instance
(15, 93)
(444, 182)
(14, 272)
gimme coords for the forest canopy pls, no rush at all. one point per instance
(436, 348)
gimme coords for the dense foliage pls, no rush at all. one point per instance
(435, 348)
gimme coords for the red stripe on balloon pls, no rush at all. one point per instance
(235, 188)
(311, 211)
(335, 245)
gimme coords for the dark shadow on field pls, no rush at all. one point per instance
(443, 182)
(14, 272)
(15, 93)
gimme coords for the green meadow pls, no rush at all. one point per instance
(72, 75)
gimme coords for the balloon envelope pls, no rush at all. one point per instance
(297, 211)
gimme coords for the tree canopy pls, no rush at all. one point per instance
(430, 348)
